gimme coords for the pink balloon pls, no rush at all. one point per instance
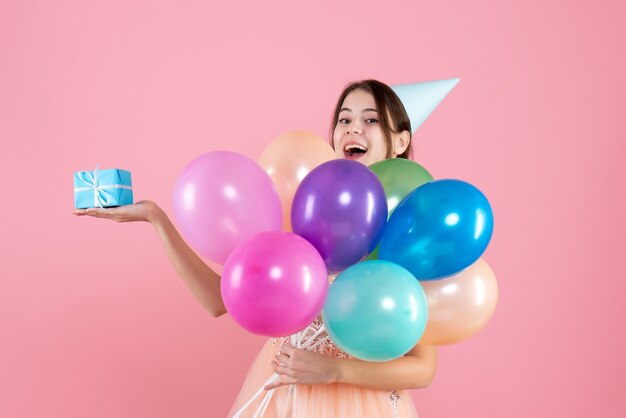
(274, 284)
(222, 198)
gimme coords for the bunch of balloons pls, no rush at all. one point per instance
(406, 247)
(421, 239)
(428, 283)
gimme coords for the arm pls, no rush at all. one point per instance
(415, 370)
(203, 282)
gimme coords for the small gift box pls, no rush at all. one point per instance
(102, 188)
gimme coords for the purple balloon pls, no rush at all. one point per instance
(340, 207)
(274, 284)
(222, 198)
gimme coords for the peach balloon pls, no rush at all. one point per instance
(461, 305)
(288, 159)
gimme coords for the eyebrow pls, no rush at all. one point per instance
(364, 110)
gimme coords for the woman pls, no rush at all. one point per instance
(369, 124)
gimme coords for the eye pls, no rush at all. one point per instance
(371, 120)
(343, 120)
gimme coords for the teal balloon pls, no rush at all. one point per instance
(375, 311)
(438, 230)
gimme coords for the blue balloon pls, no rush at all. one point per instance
(375, 311)
(438, 229)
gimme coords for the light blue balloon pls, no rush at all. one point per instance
(420, 99)
(375, 310)
(439, 229)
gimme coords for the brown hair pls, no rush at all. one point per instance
(391, 112)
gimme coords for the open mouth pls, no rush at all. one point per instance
(354, 151)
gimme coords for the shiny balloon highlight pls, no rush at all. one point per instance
(438, 230)
(222, 198)
(375, 311)
(274, 284)
(461, 305)
(340, 208)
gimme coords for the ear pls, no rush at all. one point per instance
(400, 142)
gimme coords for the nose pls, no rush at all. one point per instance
(355, 128)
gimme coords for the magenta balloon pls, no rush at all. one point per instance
(222, 198)
(274, 284)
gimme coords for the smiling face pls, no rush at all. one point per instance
(359, 134)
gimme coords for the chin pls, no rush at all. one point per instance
(364, 159)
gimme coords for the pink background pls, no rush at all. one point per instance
(93, 319)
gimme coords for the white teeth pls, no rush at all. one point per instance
(354, 147)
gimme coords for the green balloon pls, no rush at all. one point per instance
(399, 177)
(373, 255)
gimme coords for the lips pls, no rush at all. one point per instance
(354, 151)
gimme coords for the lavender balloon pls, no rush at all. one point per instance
(340, 207)
(222, 198)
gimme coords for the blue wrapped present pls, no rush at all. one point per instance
(102, 188)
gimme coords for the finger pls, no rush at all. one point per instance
(287, 349)
(96, 211)
(281, 381)
(282, 359)
(102, 215)
(282, 370)
(79, 212)
(95, 215)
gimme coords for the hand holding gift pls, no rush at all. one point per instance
(108, 194)
(102, 188)
(146, 211)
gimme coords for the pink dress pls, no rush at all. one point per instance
(335, 400)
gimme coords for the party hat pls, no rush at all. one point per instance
(420, 99)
